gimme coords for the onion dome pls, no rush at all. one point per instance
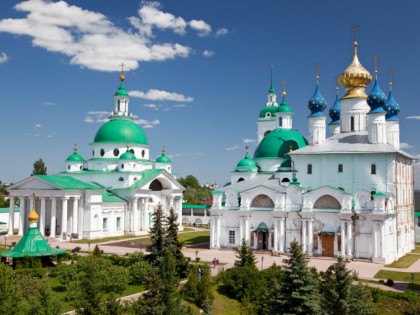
(317, 103)
(376, 99)
(335, 112)
(121, 90)
(120, 130)
(392, 108)
(286, 163)
(163, 158)
(33, 216)
(128, 155)
(75, 157)
(355, 78)
(284, 108)
(246, 164)
(279, 142)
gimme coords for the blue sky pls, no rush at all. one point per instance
(198, 72)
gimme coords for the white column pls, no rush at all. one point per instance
(81, 218)
(75, 224)
(276, 234)
(42, 217)
(310, 236)
(218, 232)
(146, 215)
(22, 214)
(375, 239)
(304, 236)
(212, 230)
(241, 229)
(53, 216)
(247, 230)
(64, 217)
(282, 247)
(178, 210)
(349, 236)
(382, 227)
(136, 217)
(343, 238)
(11, 215)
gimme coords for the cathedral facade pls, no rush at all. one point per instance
(349, 194)
(113, 193)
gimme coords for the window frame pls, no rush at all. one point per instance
(309, 169)
(232, 237)
(340, 168)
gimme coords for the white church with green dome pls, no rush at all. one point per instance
(112, 193)
(349, 194)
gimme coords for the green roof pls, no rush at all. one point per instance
(32, 244)
(379, 194)
(417, 214)
(128, 156)
(279, 142)
(268, 109)
(246, 163)
(284, 108)
(163, 159)
(217, 192)
(67, 182)
(108, 196)
(6, 210)
(121, 90)
(286, 163)
(196, 207)
(120, 131)
(146, 176)
(75, 157)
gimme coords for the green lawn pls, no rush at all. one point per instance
(398, 276)
(225, 305)
(188, 238)
(416, 250)
(105, 239)
(404, 262)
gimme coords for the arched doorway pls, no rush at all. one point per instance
(262, 201)
(262, 236)
(327, 202)
(156, 185)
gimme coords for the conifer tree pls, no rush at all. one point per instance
(175, 244)
(298, 292)
(157, 237)
(246, 257)
(97, 251)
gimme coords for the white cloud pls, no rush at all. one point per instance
(413, 117)
(158, 95)
(208, 53)
(49, 136)
(221, 32)
(38, 125)
(180, 105)
(4, 57)
(235, 147)
(103, 112)
(202, 27)
(175, 155)
(93, 41)
(249, 140)
(37, 135)
(151, 105)
(96, 117)
(50, 103)
(404, 145)
(145, 123)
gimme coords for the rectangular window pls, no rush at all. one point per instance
(280, 121)
(118, 223)
(373, 169)
(231, 237)
(105, 224)
(351, 123)
(340, 168)
(309, 168)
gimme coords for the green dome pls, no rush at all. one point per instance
(286, 163)
(246, 163)
(121, 90)
(163, 159)
(277, 143)
(266, 109)
(128, 156)
(284, 108)
(75, 158)
(120, 131)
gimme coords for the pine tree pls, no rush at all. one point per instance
(158, 237)
(246, 257)
(151, 301)
(175, 244)
(39, 168)
(171, 297)
(298, 292)
(97, 251)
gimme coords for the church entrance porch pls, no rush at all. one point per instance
(327, 241)
(262, 238)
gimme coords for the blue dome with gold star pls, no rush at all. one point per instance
(335, 112)
(376, 99)
(392, 108)
(317, 104)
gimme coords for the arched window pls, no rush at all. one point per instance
(267, 132)
(262, 201)
(122, 166)
(93, 152)
(351, 123)
(156, 185)
(68, 167)
(121, 179)
(280, 121)
(81, 167)
(309, 169)
(116, 152)
(132, 151)
(142, 153)
(327, 202)
(102, 152)
(285, 180)
(373, 169)
(241, 179)
(340, 168)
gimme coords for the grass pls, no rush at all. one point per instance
(404, 262)
(187, 229)
(398, 276)
(416, 250)
(224, 305)
(102, 240)
(188, 238)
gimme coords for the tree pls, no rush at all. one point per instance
(174, 244)
(97, 251)
(199, 289)
(246, 257)
(298, 291)
(39, 168)
(194, 192)
(157, 237)
(10, 297)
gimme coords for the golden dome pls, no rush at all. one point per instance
(355, 78)
(122, 77)
(33, 216)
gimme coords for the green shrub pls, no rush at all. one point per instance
(197, 259)
(381, 281)
(27, 262)
(139, 271)
(390, 282)
(33, 272)
(77, 248)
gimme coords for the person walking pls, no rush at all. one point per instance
(215, 262)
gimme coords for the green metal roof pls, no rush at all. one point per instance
(108, 196)
(284, 108)
(246, 163)
(268, 109)
(120, 131)
(417, 214)
(75, 157)
(379, 194)
(68, 182)
(196, 207)
(121, 90)
(163, 159)
(128, 156)
(217, 192)
(6, 210)
(146, 176)
(279, 142)
(32, 244)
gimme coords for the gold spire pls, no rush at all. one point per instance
(376, 66)
(355, 78)
(122, 77)
(317, 68)
(291, 148)
(390, 79)
(163, 149)
(284, 89)
(336, 84)
(75, 147)
(33, 216)
(246, 149)
(128, 145)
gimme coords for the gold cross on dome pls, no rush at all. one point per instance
(390, 78)
(376, 66)
(291, 148)
(317, 64)
(354, 27)
(122, 67)
(246, 147)
(284, 85)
